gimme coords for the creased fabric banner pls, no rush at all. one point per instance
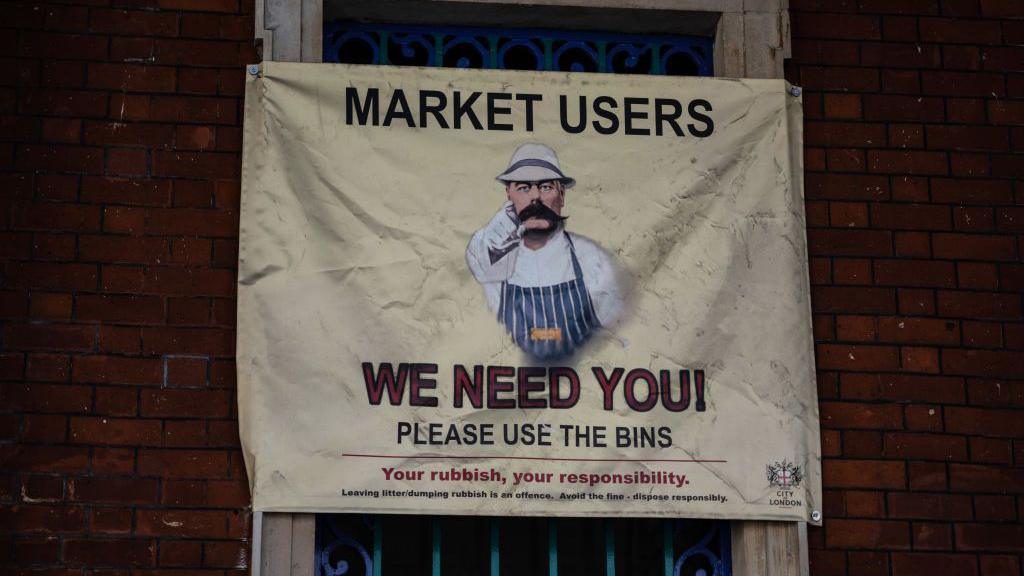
(515, 293)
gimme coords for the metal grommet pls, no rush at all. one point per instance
(253, 69)
(794, 90)
(815, 516)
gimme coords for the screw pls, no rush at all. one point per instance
(816, 516)
(253, 69)
(794, 90)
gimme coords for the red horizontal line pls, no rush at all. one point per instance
(416, 456)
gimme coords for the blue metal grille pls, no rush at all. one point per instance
(517, 49)
(358, 545)
(368, 545)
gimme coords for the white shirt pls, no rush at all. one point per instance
(546, 266)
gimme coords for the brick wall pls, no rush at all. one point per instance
(119, 166)
(120, 148)
(914, 139)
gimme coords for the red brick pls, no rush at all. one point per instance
(51, 306)
(114, 490)
(50, 217)
(979, 305)
(991, 451)
(120, 340)
(116, 401)
(835, 26)
(854, 300)
(176, 281)
(918, 330)
(974, 247)
(982, 334)
(872, 474)
(973, 218)
(183, 463)
(984, 422)
(840, 78)
(990, 537)
(847, 187)
(979, 84)
(986, 479)
(856, 328)
(131, 78)
(970, 191)
(134, 22)
(128, 134)
(46, 398)
(851, 271)
(903, 108)
(120, 552)
(853, 357)
(41, 519)
(910, 505)
(194, 109)
(968, 137)
(117, 370)
(918, 564)
(180, 403)
(849, 415)
(136, 191)
(925, 446)
(915, 273)
(868, 534)
(180, 553)
(110, 249)
(115, 431)
(907, 162)
(961, 57)
(906, 136)
(63, 46)
(900, 55)
(1004, 112)
(919, 359)
(995, 393)
(48, 337)
(122, 309)
(127, 162)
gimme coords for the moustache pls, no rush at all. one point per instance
(540, 210)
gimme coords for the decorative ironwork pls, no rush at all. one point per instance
(352, 545)
(516, 49)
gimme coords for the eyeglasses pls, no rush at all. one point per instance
(545, 187)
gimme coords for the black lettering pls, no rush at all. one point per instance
(529, 99)
(660, 116)
(362, 112)
(607, 113)
(563, 114)
(399, 108)
(434, 109)
(466, 109)
(632, 114)
(709, 123)
(493, 110)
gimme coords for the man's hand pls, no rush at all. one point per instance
(503, 233)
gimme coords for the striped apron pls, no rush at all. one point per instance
(549, 322)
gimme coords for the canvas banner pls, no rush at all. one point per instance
(500, 293)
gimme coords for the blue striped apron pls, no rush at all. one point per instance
(549, 322)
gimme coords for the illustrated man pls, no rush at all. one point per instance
(550, 289)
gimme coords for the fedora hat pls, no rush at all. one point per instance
(533, 162)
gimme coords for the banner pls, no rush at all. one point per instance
(517, 293)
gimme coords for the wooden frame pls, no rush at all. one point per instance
(751, 41)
